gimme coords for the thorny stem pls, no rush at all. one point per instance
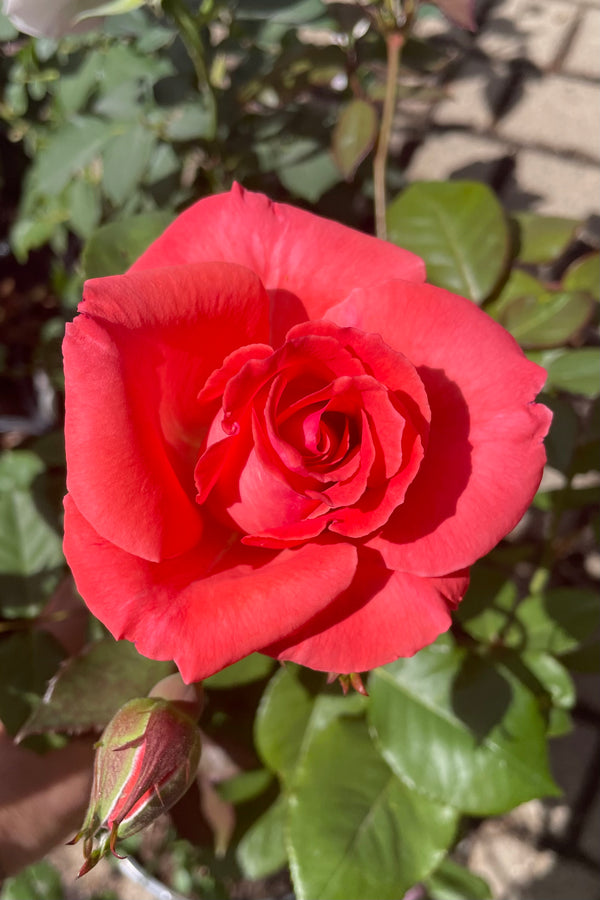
(394, 44)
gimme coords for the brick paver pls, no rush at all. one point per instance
(555, 112)
(583, 56)
(535, 30)
(547, 183)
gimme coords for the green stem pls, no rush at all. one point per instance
(394, 44)
(190, 35)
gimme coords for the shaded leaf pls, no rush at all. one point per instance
(28, 660)
(543, 238)
(40, 881)
(584, 275)
(576, 371)
(458, 228)
(477, 738)
(125, 158)
(453, 882)
(355, 830)
(354, 136)
(537, 317)
(114, 247)
(252, 668)
(90, 688)
(262, 851)
(281, 720)
(555, 622)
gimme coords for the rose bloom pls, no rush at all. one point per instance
(279, 438)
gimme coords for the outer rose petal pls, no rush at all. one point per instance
(382, 616)
(207, 608)
(485, 454)
(134, 363)
(307, 263)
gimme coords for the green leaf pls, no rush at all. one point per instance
(83, 202)
(458, 228)
(27, 662)
(126, 157)
(576, 371)
(252, 668)
(31, 556)
(110, 8)
(245, 786)
(453, 882)
(488, 604)
(477, 738)
(543, 238)
(311, 177)
(584, 275)
(562, 438)
(537, 317)
(354, 136)
(40, 881)
(114, 247)
(284, 12)
(192, 121)
(91, 687)
(281, 720)
(262, 851)
(553, 677)
(555, 622)
(69, 150)
(355, 830)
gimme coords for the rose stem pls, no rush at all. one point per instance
(394, 42)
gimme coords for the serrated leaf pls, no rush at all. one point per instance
(477, 737)
(564, 431)
(27, 662)
(69, 149)
(192, 121)
(252, 668)
(126, 157)
(354, 136)
(355, 830)
(458, 228)
(543, 238)
(488, 604)
(31, 557)
(262, 851)
(91, 687)
(114, 247)
(311, 177)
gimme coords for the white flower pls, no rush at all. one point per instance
(54, 18)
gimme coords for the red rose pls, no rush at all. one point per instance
(280, 439)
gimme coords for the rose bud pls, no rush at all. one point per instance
(145, 761)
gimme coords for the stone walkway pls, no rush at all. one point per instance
(521, 112)
(520, 109)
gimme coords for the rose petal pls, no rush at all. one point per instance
(382, 616)
(485, 454)
(307, 263)
(210, 606)
(134, 361)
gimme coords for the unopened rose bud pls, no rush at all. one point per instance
(145, 761)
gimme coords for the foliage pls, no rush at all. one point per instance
(110, 135)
